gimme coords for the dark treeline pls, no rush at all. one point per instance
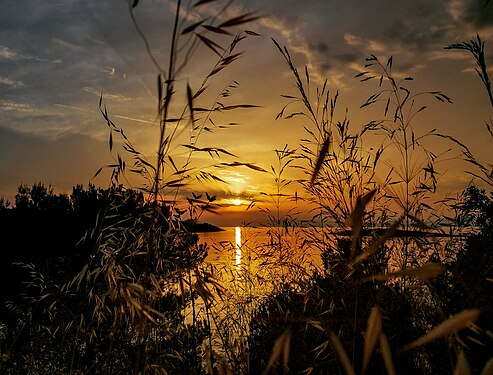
(53, 233)
(42, 226)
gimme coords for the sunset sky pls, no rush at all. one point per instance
(57, 57)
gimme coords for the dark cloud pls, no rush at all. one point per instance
(340, 54)
(348, 57)
(419, 38)
(320, 47)
(478, 13)
(415, 26)
(406, 29)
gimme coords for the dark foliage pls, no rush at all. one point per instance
(469, 282)
(49, 308)
(335, 302)
(340, 302)
(49, 230)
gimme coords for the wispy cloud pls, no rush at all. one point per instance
(9, 105)
(81, 109)
(109, 70)
(75, 108)
(7, 53)
(107, 96)
(369, 44)
(10, 82)
(71, 46)
(134, 119)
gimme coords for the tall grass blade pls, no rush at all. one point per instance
(425, 272)
(159, 93)
(356, 218)
(248, 165)
(190, 104)
(377, 245)
(211, 44)
(281, 348)
(337, 345)
(462, 367)
(192, 27)
(387, 355)
(320, 159)
(239, 20)
(488, 368)
(201, 2)
(373, 333)
(454, 324)
(216, 30)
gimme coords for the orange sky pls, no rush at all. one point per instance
(57, 58)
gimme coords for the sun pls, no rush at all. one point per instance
(236, 201)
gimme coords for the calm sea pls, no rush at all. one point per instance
(237, 248)
(248, 264)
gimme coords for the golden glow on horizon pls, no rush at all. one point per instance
(235, 202)
(237, 182)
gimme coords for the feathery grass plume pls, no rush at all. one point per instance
(338, 176)
(141, 261)
(412, 179)
(476, 48)
(168, 175)
(281, 214)
(268, 265)
(336, 167)
(399, 111)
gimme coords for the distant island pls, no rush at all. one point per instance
(198, 227)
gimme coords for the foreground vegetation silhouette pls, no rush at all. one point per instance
(110, 281)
